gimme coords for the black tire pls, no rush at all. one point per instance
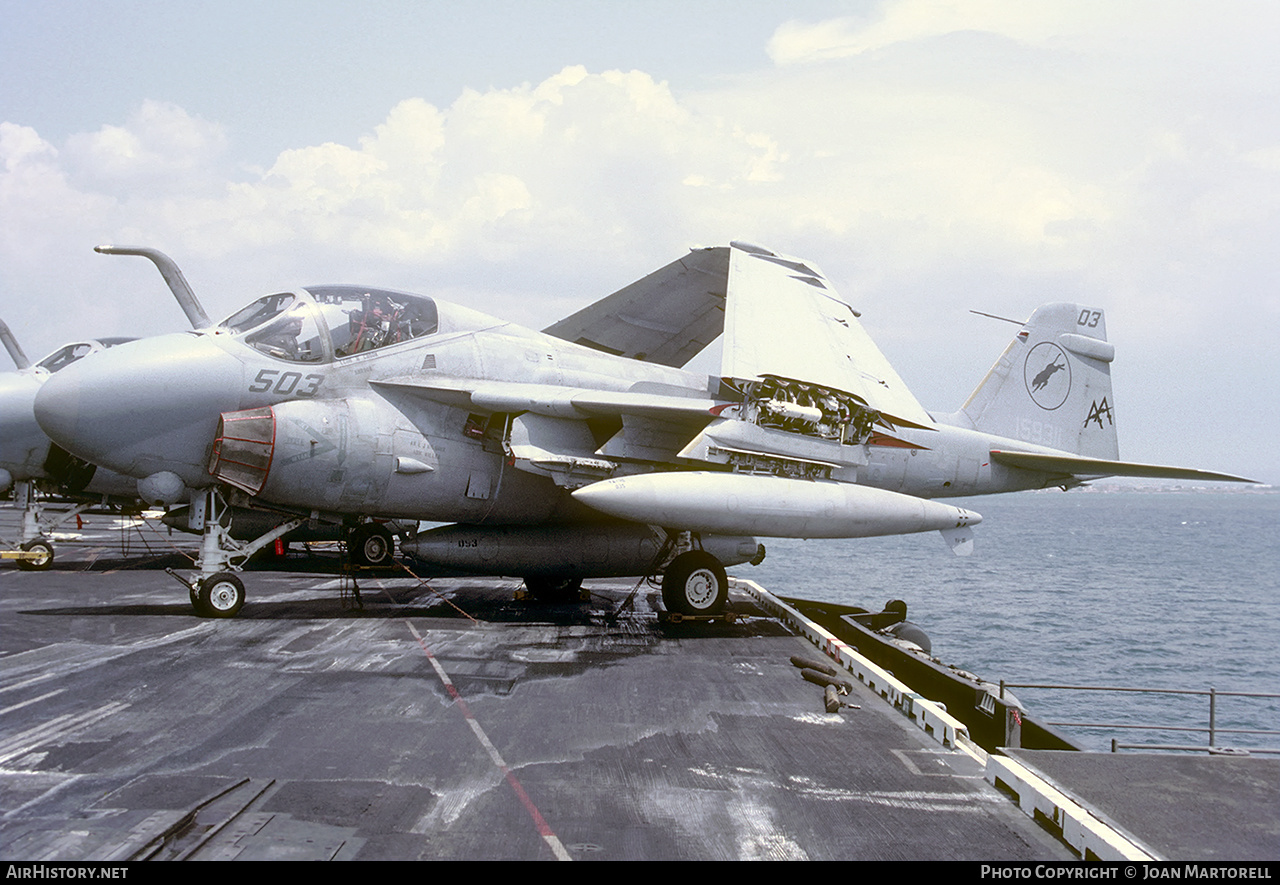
(219, 596)
(554, 588)
(44, 548)
(695, 584)
(371, 544)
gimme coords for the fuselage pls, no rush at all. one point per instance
(345, 438)
(154, 406)
(950, 461)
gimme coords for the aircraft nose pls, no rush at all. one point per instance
(23, 446)
(145, 406)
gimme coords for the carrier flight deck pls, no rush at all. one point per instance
(445, 719)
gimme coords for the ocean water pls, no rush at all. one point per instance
(1137, 588)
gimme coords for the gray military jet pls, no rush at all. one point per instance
(585, 450)
(30, 464)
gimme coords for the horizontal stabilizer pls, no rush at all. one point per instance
(1071, 466)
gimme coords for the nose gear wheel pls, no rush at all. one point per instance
(220, 595)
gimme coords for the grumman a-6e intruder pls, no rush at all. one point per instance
(585, 450)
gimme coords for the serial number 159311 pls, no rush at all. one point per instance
(1040, 432)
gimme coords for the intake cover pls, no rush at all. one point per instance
(243, 448)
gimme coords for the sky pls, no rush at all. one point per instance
(527, 158)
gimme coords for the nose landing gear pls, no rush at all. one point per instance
(216, 592)
(220, 595)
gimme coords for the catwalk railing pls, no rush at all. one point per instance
(1212, 729)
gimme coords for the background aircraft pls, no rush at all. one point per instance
(30, 464)
(584, 450)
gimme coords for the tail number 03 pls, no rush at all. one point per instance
(286, 383)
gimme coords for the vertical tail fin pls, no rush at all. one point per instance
(1052, 385)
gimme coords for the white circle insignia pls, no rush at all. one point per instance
(1047, 373)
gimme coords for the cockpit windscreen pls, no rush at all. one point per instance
(258, 312)
(291, 327)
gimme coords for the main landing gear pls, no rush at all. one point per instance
(695, 583)
(370, 544)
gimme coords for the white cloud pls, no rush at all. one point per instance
(1034, 159)
(160, 144)
(930, 157)
(39, 208)
(797, 42)
(22, 144)
(577, 157)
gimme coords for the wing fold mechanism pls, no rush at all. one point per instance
(655, 427)
(801, 359)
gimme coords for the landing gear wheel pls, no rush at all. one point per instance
(219, 596)
(553, 588)
(43, 560)
(695, 584)
(371, 544)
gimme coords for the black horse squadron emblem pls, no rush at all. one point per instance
(1047, 373)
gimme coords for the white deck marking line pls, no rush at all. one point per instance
(544, 829)
(20, 705)
(58, 728)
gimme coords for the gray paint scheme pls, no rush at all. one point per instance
(473, 420)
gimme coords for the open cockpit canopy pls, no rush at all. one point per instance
(70, 353)
(324, 323)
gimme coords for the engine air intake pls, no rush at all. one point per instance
(243, 448)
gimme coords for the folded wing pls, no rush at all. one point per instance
(667, 317)
(785, 321)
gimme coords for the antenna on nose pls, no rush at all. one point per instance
(172, 275)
